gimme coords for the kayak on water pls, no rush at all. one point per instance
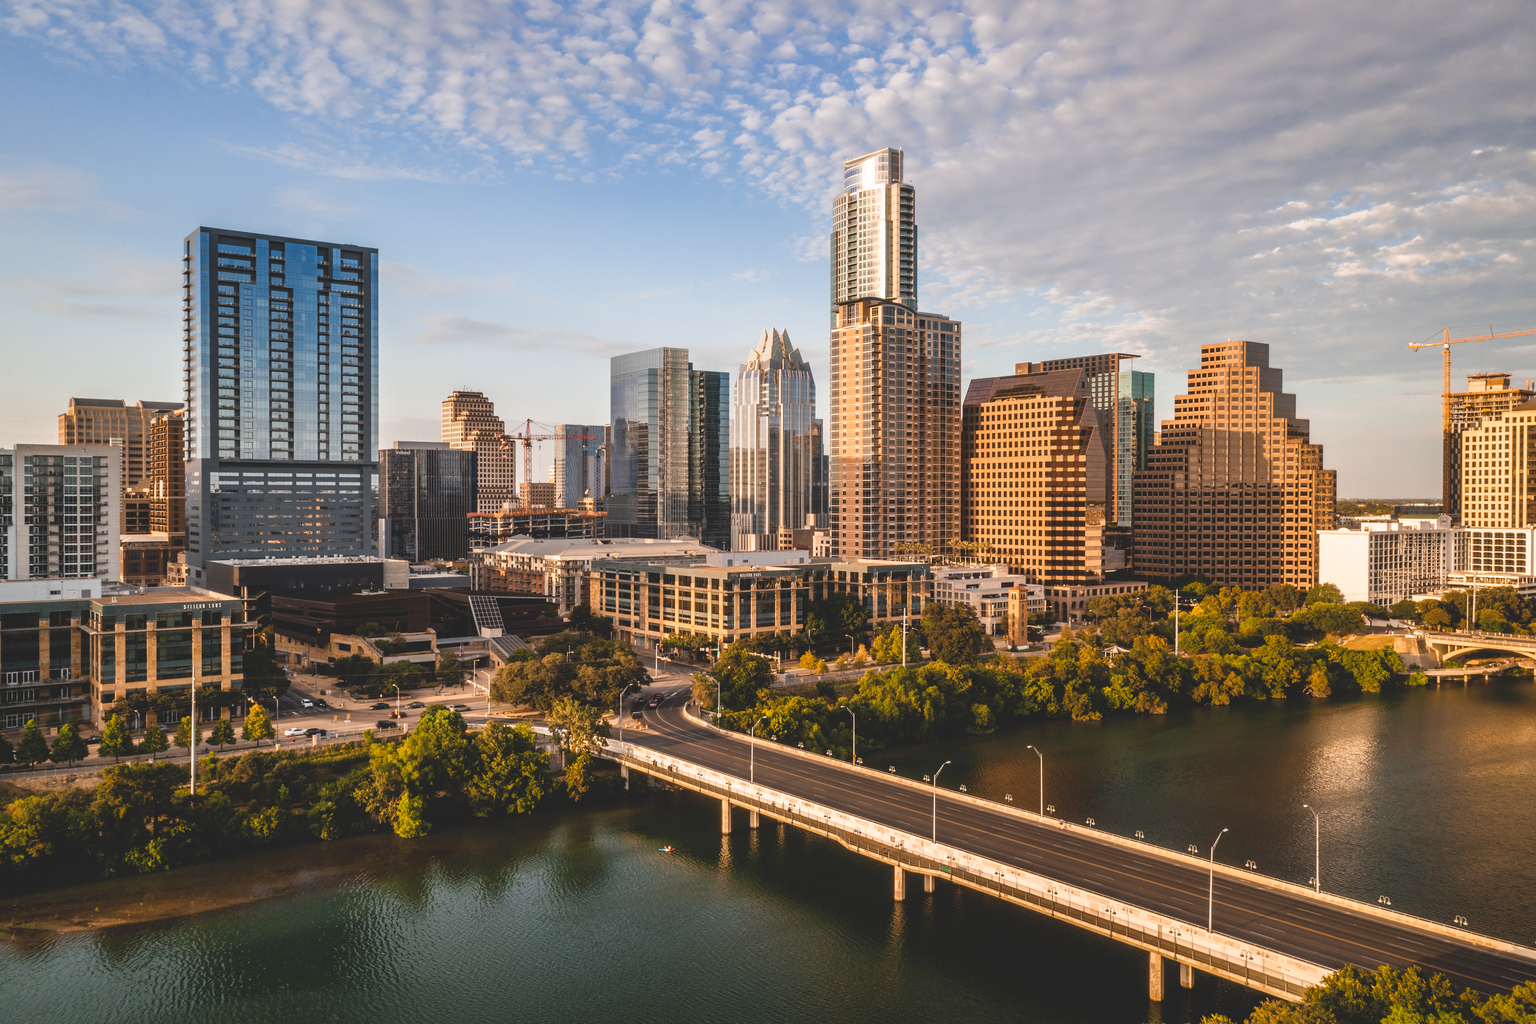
(667, 849)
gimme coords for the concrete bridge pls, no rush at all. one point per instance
(1449, 645)
(1271, 936)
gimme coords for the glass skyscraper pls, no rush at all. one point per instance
(1133, 438)
(581, 451)
(709, 457)
(280, 340)
(775, 445)
(427, 493)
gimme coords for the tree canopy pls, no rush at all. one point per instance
(954, 634)
(588, 669)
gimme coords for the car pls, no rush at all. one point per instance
(416, 704)
(655, 702)
(380, 706)
(93, 740)
(314, 732)
(305, 702)
(383, 724)
(459, 707)
(295, 731)
(320, 703)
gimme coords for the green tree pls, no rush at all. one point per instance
(368, 630)
(69, 746)
(257, 726)
(223, 733)
(737, 677)
(1437, 618)
(584, 618)
(1325, 593)
(116, 739)
(188, 733)
(579, 731)
(32, 749)
(450, 670)
(955, 636)
(831, 618)
(354, 669)
(1405, 609)
(263, 676)
(154, 742)
(509, 771)
(1332, 618)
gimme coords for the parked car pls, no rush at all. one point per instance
(380, 706)
(295, 731)
(383, 724)
(92, 740)
(415, 704)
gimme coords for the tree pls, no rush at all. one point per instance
(223, 733)
(584, 618)
(263, 676)
(32, 749)
(578, 730)
(116, 739)
(354, 669)
(450, 670)
(188, 733)
(69, 746)
(1325, 593)
(1405, 609)
(368, 630)
(154, 742)
(257, 726)
(737, 676)
(831, 618)
(811, 663)
(509, 771)
(1437, 618)
(955, 636)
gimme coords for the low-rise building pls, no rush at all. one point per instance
(487, 529)
(1069, 604)
(1387, 561)
(557, 568)
(648, 601)
(985, 589)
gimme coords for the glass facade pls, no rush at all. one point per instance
(775, 445)
(709, 457)
(581, 457)
(281, 371)
(648, 460)
(1134, 437)
(425, 498)
(874, 232)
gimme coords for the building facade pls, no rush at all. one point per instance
(61, 511)
(986, 590)
(581, 463)
(1487, 398)
(487, 529)
(280, 339)
(1496, 459)
(470, 424)
(894, 431)
(1134, 428)
(874, 233)
(113, 421)
(427, 492)
(1387, 562)
(1233, 490)
(774, 454)
(559, 568)
(709, 457)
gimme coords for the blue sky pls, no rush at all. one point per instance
(549, 185)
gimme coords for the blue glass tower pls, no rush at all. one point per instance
(280, 357)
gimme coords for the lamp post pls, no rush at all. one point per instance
(1042, 777)
(1210, 913)
(850, 643)
(1317, 849)
(904, 615)
(620, 709)
(752, 769)
(936, 801)
(854, 756)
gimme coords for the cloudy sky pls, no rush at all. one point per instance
(552, 184)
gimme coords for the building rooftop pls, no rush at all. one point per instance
(603, 547)
(162, 595)
(303, 559)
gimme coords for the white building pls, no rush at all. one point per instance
(985, 589)
(61, 515)
(1385, 562)
(558, 568)
(1494, 558)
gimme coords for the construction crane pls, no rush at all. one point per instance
(527, 437)
(1446, 342)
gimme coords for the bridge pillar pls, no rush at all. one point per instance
(624, 774)
(1155, 978)
(901, 884)
(1186, 976)
(752, 821)
(927, 883)
(725, 817)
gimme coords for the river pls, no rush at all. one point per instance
(1425, 796)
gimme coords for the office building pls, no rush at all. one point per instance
(874, 233)
(1234, 490)
(113, 421)
(1487, 398)
(427, 491)
(61, 511)
(1386, 562)
(581, 464)
(533, 494)
(993, 592)
(1035, 484)
(709, 457)
(774, 458)
(281, 387)
(1496, 488)
(487, 529)
(470, 424)
(558, 567)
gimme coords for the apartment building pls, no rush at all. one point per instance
(427, 491)
(61, 510)
(1489, 396)
(874, 233)
(112, 421)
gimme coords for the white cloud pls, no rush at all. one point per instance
(49, 188)
(452, 329)
(306, 200)
(100, 292)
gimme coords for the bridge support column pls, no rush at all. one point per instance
(1186, 976)
(927, 883)
(725, 817)
(1155, 978)
(752, 821)
(901, 884)
(624, 774)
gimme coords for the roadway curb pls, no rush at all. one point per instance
(1370, 910)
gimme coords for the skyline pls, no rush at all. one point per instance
(1162, 175)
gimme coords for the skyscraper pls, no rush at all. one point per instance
(874, 233)
(775, 450)
(1235, 491)
(427, 491)
(109, 420)
(1134, 427)
(669, 457)
(281, 386)
(581, 454)
(470, 424)
(60, 518)
(1487, 398)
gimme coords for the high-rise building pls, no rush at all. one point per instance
(819, 475)
(1134, 428)
(1035, 488)
(281, 380)
(874, 233)
(167, 477)
(775, 455)
(581, 456)
(470, 424)
(114, 421)
(669, 457)
(1487, 398)
(894, 432)
(1234, 490)
(426, 493)
(61, 510)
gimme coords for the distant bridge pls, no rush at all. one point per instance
(1271, 936)
(1450, 645)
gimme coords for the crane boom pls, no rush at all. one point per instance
(1445, 344)
(527, 437)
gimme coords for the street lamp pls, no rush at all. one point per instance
(752, 769)
(936, 802)
(854, 756)
(1317, 849)
(850, 643)
(1042, 777)
(1210, 913)
(620, 708)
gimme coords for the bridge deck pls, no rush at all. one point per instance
(1269, 915)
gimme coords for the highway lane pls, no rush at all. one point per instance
(1309, 929)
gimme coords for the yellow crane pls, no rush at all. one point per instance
(1445, 343)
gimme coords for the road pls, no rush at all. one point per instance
(1320, 932)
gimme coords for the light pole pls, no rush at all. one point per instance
(936, 802)
(1317, 849)
(752, 769)
(854, 756)
(1042, 777)
(850, 643)
(620, 708)
(904, 614)
(1210, 913)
